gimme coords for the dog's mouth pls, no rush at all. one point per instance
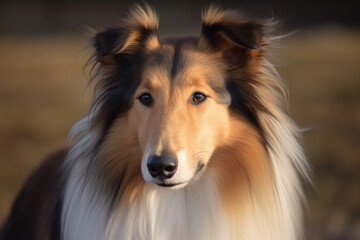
(169, 185)
(199, 168)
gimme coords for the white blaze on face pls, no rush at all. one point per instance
(184, 171)
(144, 169)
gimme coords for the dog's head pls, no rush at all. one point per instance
(170, 103)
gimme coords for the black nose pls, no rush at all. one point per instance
(162, 167)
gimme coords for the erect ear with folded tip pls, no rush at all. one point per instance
(237, 40)
(118, 45)
(138, 33)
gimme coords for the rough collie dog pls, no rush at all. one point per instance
(186, 139)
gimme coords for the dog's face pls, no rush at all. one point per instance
(173, 97)
(179, 112)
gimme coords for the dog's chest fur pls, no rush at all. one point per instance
(194, 212)
(190, 213)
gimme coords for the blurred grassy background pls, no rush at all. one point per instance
(42, 94)
(324, 80)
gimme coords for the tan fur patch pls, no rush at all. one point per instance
(152, 43)
(119, 159)
(243, 168)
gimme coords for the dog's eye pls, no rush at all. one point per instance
(146, 99)
(198, 98)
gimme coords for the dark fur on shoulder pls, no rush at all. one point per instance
(36, 211)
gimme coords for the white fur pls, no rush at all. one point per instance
(76, 217)
(170, 214)
(144, 168)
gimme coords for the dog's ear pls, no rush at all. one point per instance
(226, 32)
(138, 33)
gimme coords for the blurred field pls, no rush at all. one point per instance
(42, 95)
(324, 79)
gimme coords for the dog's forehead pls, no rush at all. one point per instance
(180, 60)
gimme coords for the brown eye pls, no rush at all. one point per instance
(198, 98)
(146, 99)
